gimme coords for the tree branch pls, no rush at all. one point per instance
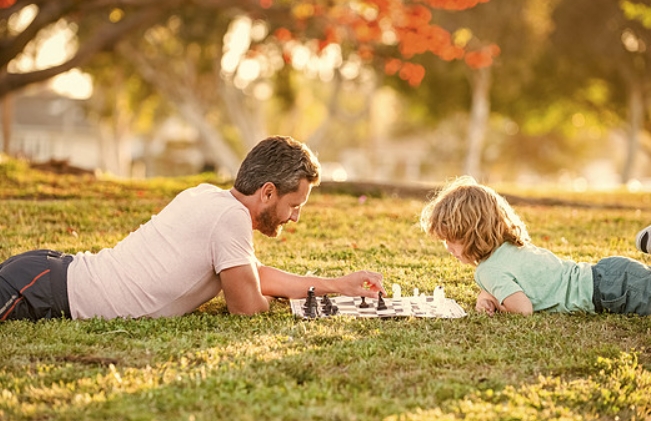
(48, 14)
(106, 37)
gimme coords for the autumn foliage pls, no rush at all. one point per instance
(370, 27)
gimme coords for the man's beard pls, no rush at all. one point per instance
(268, 223)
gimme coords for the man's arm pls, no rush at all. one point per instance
(277, 283)
(241, 286)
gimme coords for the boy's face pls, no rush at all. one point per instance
(456, 249)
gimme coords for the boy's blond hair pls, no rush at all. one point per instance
(474, 216)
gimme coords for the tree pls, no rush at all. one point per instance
(382, 33)
(608, 41)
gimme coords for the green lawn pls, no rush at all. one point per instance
(213, 366)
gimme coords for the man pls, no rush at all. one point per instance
(199, 245)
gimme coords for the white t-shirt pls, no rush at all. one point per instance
(170, 265)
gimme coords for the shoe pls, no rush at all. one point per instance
(643, 240)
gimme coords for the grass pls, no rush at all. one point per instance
(210, 365)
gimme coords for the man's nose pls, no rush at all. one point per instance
(296, 214)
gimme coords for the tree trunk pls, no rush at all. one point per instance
(315, 139)
(479, 112)
(7, 120)
(635, 118)
(245, 114)
(189, 106)
(220, 151)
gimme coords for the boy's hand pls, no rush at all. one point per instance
(485, 305)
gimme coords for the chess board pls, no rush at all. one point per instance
(396, 307)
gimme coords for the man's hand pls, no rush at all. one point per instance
(361, 284)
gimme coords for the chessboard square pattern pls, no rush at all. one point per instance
(396, 307)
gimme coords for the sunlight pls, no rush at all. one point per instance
(55, 45)
(249, 69)
(19, 21)
(74, 84)
(236, 43)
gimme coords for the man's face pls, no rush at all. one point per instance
(282, 209)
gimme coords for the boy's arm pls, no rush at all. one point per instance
(517, 302)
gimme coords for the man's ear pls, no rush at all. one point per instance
(267, 191)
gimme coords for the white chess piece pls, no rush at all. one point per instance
(397, 291)
(439, 296)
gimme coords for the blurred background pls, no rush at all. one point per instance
(529, 91)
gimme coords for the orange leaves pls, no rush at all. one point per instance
(366, 32)
(407, 71)
(430, 38)
(482, 58)
(454, 4)
(372, 28)
(283, 34)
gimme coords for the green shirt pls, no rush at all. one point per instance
(550, 283)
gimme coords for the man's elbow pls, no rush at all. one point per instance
(249, 310)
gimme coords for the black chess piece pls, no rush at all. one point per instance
(381, 305)
(309, 299)
(325, 301)
(326, 305)
(364, 304)
(310, 308)
(312, 311)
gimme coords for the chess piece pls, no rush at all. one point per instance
(326, 305)
(381, 305)
(312, 311)
(329, 308)
(310, 306)
(397, 291)
(363, 304)
(439, 296)
(310, 298)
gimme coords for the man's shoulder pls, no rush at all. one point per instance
(205, 188)
(208, 192)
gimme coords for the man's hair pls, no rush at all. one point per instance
(474, 216)
(280, 160)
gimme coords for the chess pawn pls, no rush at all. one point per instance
(439, 296)
(381, 305)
